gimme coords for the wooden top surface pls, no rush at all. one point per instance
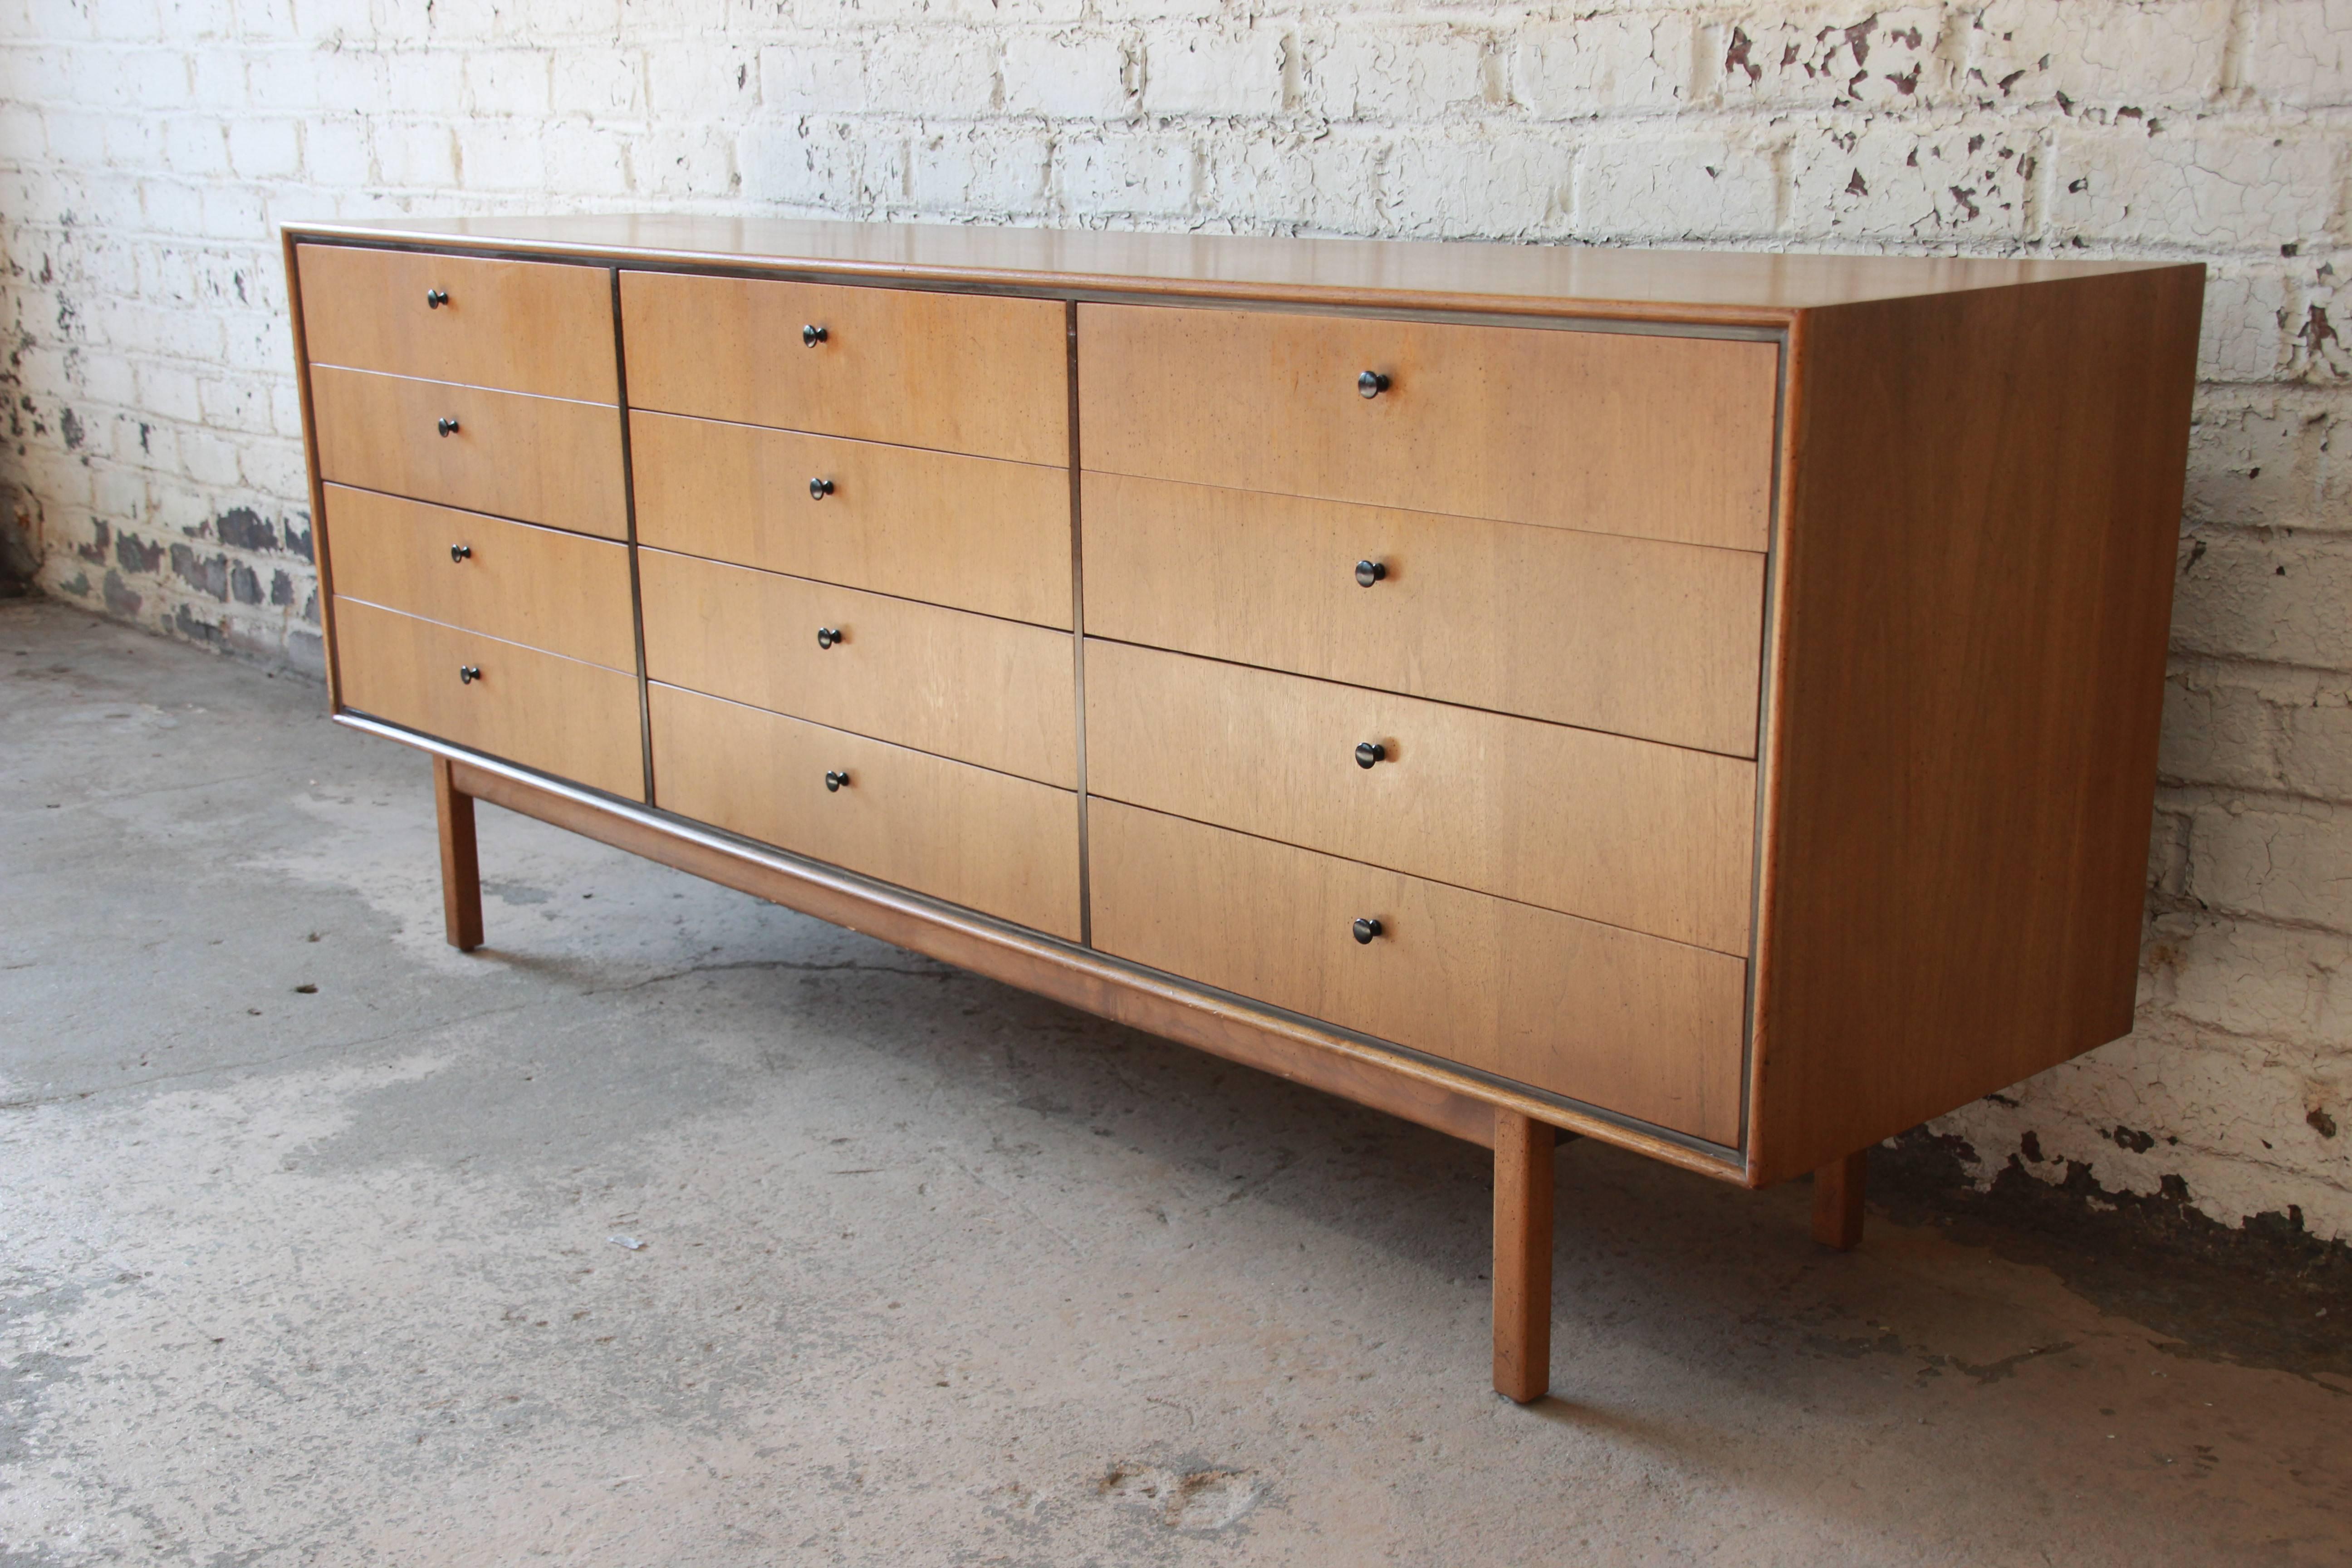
(1720, 287)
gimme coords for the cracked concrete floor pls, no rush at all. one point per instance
(308, 1246)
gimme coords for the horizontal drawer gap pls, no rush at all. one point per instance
(836, 435)
(1420, 510)
(486, 636)
(463, 386)
(1748, 756)
(1422, 877)
(859, 734)
(476, 512)
(853, 588)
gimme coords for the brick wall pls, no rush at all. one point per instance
(152, 460)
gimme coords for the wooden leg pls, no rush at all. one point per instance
(1837, 1201)
(461, 869)
(1523, 1149)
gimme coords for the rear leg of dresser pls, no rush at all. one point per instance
(1523, 1179)
(461, 866)
(1837, 1201)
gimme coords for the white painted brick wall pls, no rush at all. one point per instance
(152, 455)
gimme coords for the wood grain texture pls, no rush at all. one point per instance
(461, 863)
(576, 720)
(979, 689)
(1631, 833)
(1523, 1247)
(1635, 636)
(1662, 437)
(519, 326)
(537, 459)
(518, 582)
(1837, 1201)
(319, 541)
(986, 840)
(1751, 288)
(959, 373)
(1634, 1025)
(1976, 593)
(976, 533)
(1287, 1047)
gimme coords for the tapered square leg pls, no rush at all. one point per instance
(1523, 1177)
(1837, 1201)
(461, 869)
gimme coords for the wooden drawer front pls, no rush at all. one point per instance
(576, 720)
(996, 693)
(1608, 432)
(541, 459)
(520, 326)
(1650, 837)
(1630, 1023)
(974, 532)
(532, 585)
(960, 373)
(1637, 637)
(991, 842)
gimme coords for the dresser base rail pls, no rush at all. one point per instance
(1520, 1132)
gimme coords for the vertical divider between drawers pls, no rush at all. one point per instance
(1079, 627)
(629, 510)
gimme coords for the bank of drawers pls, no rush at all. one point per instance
(853, 520)
(467, 433)
(1422, 683)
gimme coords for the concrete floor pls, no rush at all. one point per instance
(308, 1227)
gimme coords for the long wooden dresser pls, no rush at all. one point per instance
(1704, 703)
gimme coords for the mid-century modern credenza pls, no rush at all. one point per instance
(1704, 703)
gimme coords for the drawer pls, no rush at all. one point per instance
(1662, 437)
(1654, 839)
(519, 326)
(960, 373)
(974, 532)
(576, 720)
(974, 688)
(538, 586)
(1004, 846)
(1645, 1027)
(541, 459)
(1637, 637)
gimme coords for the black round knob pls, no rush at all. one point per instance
(1369, 573)
(820, 488)
(446, 424)
(461, 552)
(812, 335)
(1371, 752)
(834, 781)
(468, 673)
(1371, 384)
(1366, 928)
(435, 298)
(829, 636)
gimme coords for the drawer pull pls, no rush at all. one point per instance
(834, 781)
(435, 298)
(468, 673)
(461, 552)
(1366, 928)
(1369, 573)
(820, 488)
(1371, 384)
(812, 335)
(446, 424)
(830, 637)
(1371, 752)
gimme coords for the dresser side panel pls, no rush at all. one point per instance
(1975, 591)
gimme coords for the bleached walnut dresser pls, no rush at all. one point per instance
(1704, 703)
